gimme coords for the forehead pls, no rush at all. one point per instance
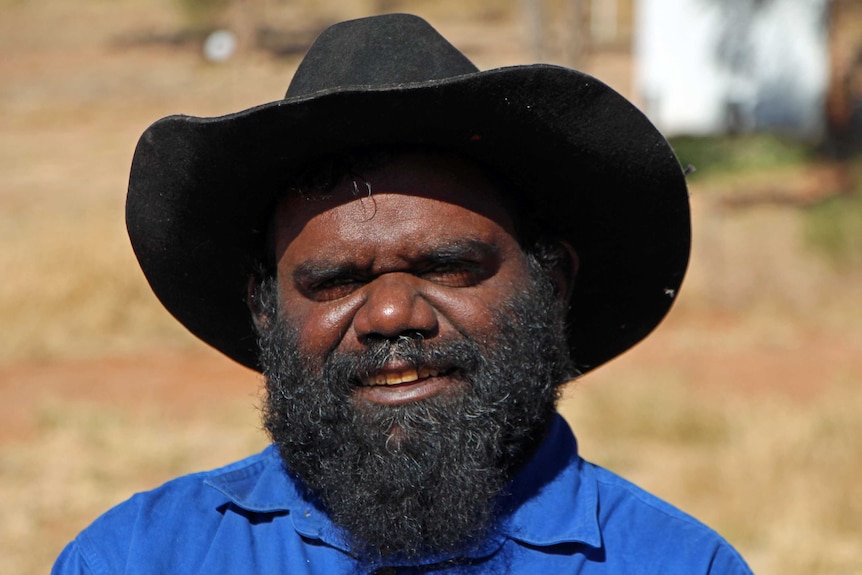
(430, 196)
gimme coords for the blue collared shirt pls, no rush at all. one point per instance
(250, 517)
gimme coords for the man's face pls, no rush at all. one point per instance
(429, 252)
(413, 354)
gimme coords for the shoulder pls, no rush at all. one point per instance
(175, 520)
(575, 516)
(651, 532)
(185, 498)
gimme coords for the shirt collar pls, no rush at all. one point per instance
(554, 497)
(256, 484)
(261, 485)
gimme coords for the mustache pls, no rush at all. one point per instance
(463, 355)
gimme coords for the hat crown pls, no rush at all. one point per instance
(383, 50)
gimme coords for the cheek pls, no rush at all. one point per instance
(321, 326)
(475, 312)
(467, 312)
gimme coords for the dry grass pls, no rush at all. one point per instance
(775, 471)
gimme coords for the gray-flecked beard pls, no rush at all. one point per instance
(422, 479)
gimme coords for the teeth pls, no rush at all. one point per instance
(403, 377)
(396, 377)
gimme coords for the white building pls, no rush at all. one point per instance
(717, 66)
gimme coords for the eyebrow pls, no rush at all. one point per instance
(445, 251)
(464, 248)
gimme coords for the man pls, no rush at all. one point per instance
(416, 255)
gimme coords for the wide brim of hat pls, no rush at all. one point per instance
(201, 191)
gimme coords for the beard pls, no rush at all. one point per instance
(427, 478)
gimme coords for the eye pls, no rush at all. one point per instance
(454, 273)
(333, 288)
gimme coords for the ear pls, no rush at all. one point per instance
(255, 303)
(565, 271)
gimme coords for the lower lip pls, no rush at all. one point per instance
(406, 392)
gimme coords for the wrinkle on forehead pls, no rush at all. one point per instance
(442, 178)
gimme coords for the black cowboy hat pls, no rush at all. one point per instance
(202, 189)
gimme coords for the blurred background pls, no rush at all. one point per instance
(744, 408)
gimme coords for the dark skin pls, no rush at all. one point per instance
(430, 252)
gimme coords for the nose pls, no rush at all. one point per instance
(394, 306)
